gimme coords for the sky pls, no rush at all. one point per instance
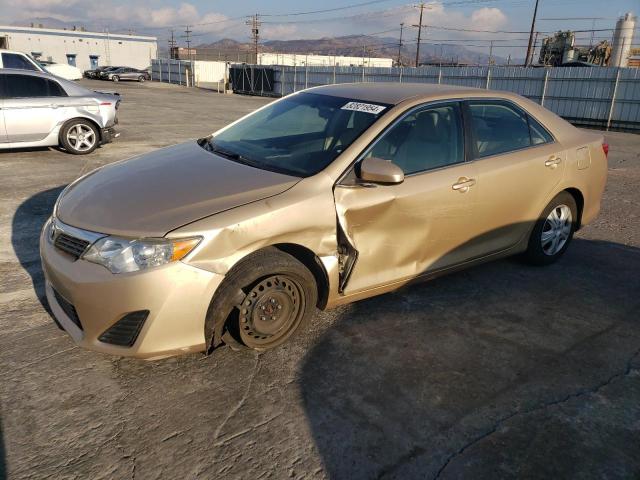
(447, 20)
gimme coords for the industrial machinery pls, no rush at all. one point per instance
(560, 49)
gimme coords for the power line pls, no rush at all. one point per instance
(326, 10)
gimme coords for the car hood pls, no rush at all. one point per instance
(150, 195)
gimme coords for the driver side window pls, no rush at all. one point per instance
(428, 138)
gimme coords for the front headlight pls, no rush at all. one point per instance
(121, 255)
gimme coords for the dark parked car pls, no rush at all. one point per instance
(125, 73)
(95, 73)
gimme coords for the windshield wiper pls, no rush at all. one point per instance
(212, 147)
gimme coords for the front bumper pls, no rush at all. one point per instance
(108, 134)
(176, 295)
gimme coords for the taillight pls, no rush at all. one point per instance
(605, 149)
(105, 103)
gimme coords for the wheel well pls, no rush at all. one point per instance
(91, 121)
(214, 328)
(310, 260)
(579, 198)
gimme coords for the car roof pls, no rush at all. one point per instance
(73, 89)
(6, 50)
(395, 93)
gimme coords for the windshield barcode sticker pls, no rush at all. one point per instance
(364, 107)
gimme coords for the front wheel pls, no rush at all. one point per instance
(141, 78)
(79, 137)
(553, 231)
(265, 299)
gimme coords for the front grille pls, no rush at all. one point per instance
(71, 245)
(126, 330)
(68, 309)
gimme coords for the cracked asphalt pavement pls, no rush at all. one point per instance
(501, 371)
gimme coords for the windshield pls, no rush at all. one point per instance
(299, 135)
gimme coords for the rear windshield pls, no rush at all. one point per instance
(299, 135)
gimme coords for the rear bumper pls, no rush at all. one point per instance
(108, 134)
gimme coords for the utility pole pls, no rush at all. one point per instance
(254, 23)
(400, 46)
(190, 75)
(172, 44)
(421, 7)
(528, 58)
(491, 53)
(187, 37)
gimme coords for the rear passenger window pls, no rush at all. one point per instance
(55, 90)
(27, 86)
(539, 134)
(425, 139)
(498, 128)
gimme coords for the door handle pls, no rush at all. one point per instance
(463, 184)
(54, 105)
(553, 162)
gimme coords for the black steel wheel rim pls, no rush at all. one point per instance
(271, 310)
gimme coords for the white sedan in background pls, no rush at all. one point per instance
(38, 109)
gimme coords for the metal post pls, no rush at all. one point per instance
(544, 87)
(334, 69)
(169, 64)
(295, 74)
(401, 74)
(440, 76)
(306, 74)
(180, 71)
(613, 99)
(488, 78)
(160, 61)
(282, 81)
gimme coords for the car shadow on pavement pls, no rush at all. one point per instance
(459, 377)
(27, 224)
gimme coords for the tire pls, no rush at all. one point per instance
(115, 78)
(79, 137)
(553, 231)
(263, 301)
(141, 78)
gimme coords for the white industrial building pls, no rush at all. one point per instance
(300, 60)
(82, 49)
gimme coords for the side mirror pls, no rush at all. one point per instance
(377, 170)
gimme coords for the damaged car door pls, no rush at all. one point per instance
(391, 233)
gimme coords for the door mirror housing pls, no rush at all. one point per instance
(378, 170)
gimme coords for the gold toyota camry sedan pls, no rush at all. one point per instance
(321, 198)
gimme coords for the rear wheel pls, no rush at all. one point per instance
(141, 78)
(553, 231)
(265, 300)
(115, 78)
(79, 137)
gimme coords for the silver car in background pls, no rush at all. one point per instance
(41, 110)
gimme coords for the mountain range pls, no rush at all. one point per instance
(362, 45)
(351, 45)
